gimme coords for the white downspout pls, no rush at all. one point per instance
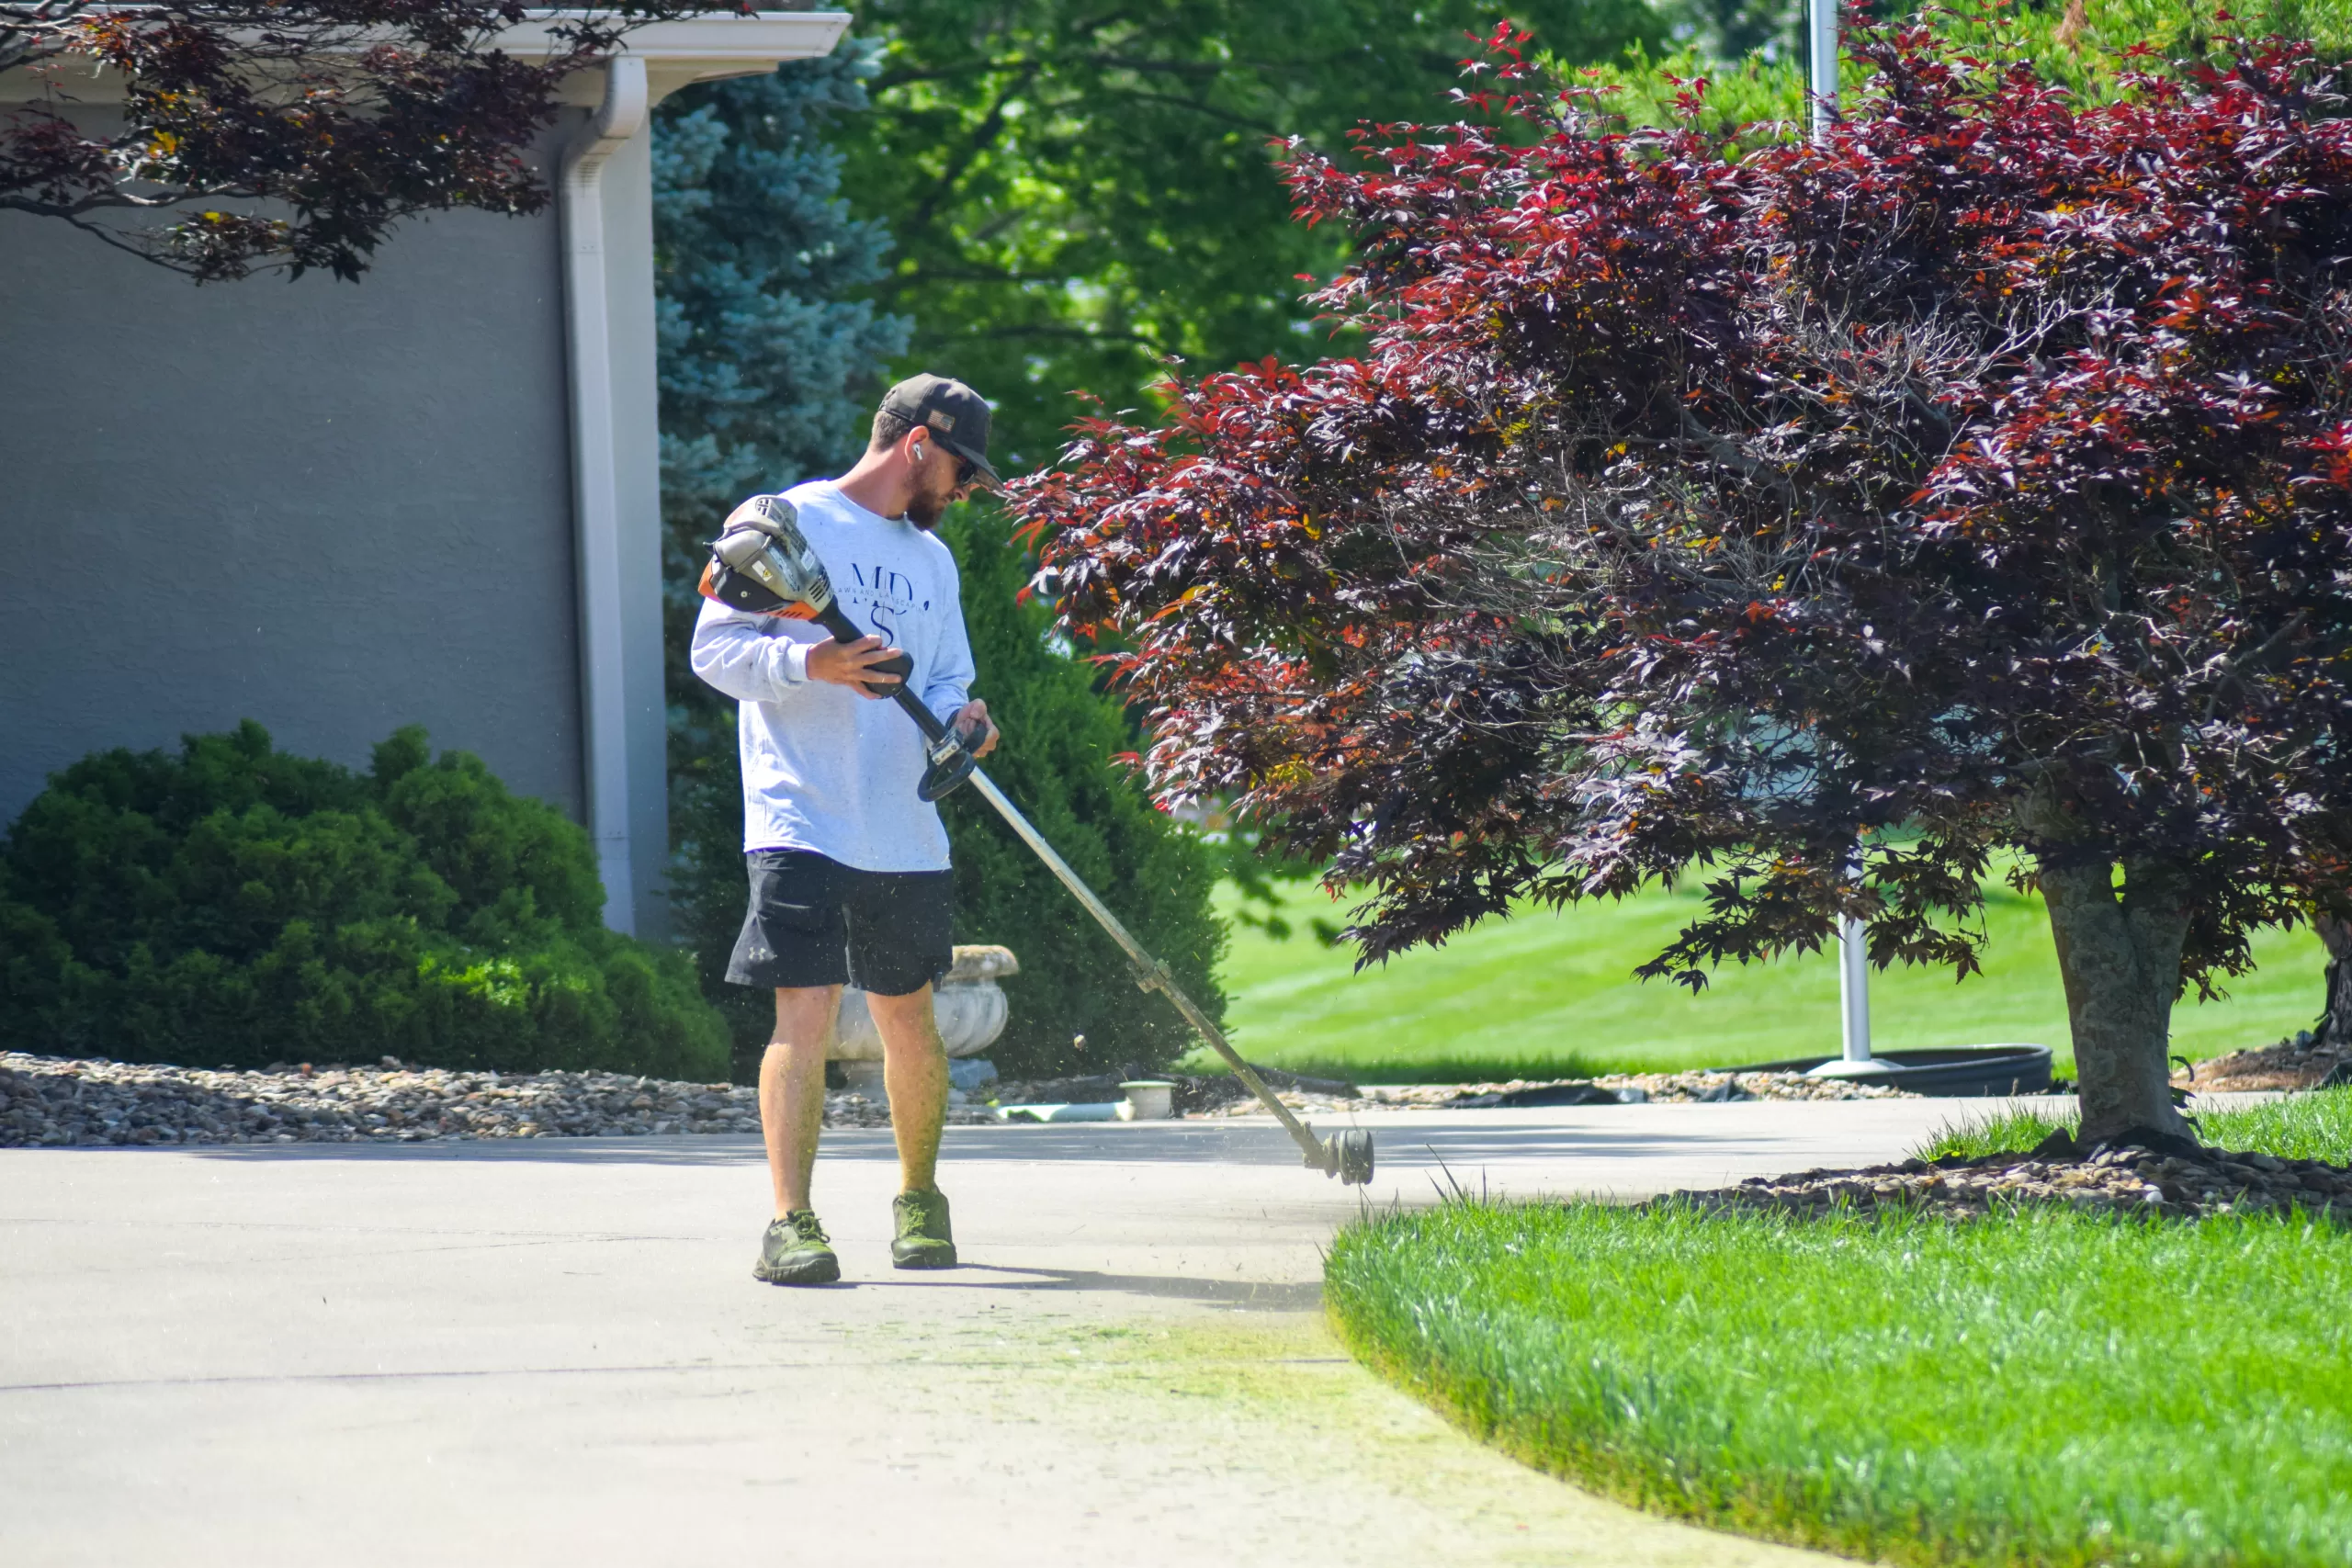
(595, 479)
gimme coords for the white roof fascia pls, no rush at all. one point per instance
(694, 49)
(691, 48)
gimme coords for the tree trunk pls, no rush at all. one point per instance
(2119, 956)
(2334, 1029)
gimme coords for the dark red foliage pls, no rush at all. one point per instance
(1979, 478)
(343, 116)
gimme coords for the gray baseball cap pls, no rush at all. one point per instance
(956, 416)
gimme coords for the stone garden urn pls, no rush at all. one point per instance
(968, 1002)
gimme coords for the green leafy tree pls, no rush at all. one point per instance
(1759, 92)
(1081, 189)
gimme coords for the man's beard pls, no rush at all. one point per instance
(930, 503)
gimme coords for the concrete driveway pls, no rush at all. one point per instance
(552, 1352)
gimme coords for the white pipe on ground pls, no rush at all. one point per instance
(595, 479)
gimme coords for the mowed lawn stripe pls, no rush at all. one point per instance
(1549, 994)
(2042, 1388)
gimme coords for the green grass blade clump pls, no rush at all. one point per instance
(2315, 1125)
(2011, 1130)
(2042, 1387)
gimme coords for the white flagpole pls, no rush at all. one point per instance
(1853, 936)
(1821, 63)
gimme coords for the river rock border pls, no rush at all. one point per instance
(53, 1102)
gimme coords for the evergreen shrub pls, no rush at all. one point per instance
(236, 904)
(1060, 763)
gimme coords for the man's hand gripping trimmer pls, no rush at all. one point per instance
(762, 563)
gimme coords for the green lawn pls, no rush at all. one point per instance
(2044, 1387)
(1545, 994)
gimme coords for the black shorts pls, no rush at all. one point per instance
(814, 921)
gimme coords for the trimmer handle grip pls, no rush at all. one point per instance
(949, 754)
(846, 630)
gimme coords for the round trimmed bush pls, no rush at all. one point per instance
(236, 904)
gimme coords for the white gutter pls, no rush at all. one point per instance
(595, 479)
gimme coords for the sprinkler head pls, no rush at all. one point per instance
(1347, 1156)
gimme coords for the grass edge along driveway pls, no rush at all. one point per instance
(2044, 1387)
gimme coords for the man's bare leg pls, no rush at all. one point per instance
(914, 1072)
(792, 1089)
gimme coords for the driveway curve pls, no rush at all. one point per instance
(551, 1351)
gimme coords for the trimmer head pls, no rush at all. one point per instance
(1347, 1156)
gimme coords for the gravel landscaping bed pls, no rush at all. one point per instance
(2178, 1182)
(52, 1101)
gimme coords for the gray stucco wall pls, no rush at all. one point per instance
(334, 509)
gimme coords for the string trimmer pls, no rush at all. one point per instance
(762, 563)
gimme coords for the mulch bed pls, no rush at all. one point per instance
(2299, 1062)
(2145, 1174)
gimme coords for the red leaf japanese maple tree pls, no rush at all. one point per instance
(282, 134)
(1978, 480)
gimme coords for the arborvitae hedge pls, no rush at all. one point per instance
(235, 905)
(1056, 762)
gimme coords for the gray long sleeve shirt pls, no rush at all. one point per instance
(825, 769)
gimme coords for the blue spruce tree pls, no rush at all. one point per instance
(768, 373)
(769, 368)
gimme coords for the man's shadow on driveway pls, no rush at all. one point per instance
(1249, 1295)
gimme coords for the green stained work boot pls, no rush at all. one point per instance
(923, 1239)
(795, 1252)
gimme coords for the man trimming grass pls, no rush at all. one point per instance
(849, 878)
